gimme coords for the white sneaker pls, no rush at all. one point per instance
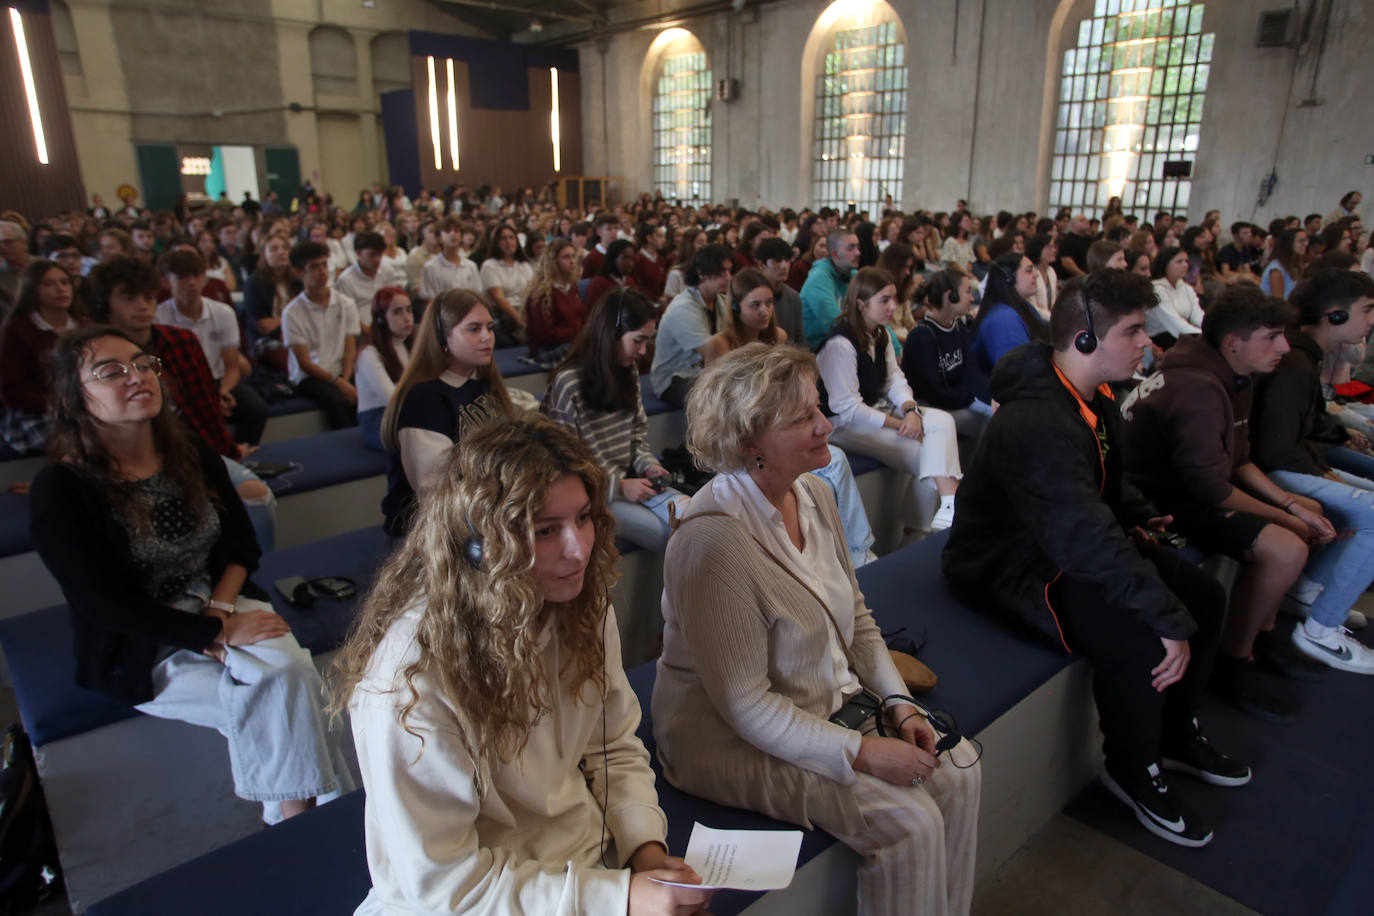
(944, 516)
(1338, 649)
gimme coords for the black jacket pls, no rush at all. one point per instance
(1289, 423)
(1040, 501)
(117, 628)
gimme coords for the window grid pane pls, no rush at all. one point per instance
(1130, 99)
(682, 127)
(859, 146)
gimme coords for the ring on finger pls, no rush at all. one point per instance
(917, 780)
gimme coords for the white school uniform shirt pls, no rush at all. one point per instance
(373, 384)
(322, 330)
(514, 280)
(441, 274)
(359, 287)
(839, 364)
(1178, 311)
(217, 329)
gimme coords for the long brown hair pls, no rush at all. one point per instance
(429, 359)
(76, 441)
(479, 632)
(867, 283)
(545, 277)
(379, 334)
(607, 385)
(741, 285)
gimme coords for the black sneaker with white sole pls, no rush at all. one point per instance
(1195, 756)
(1159, 810)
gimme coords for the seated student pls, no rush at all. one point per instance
(1240, 257)
(650, 271)
(1103, 254)
(957, 250)
(1178, 312)
(451, 268)
(751, 294)
(815, 250)
(320, 328)
(427, 248)
(874, 411)
(488, 701)
(607, 229)
(688, 324)
(216, 326)
(554, 313)
(393, 262)
(691, 240)
(899, 260)
(217, 267)
(140, 525)
(506, 273)
(1187, 446)
(449, 386)
(775, 260)
(42, 310)
(265, 296)
(381, 364)
(1043, 253)
(617, 272)
(1292, 435)
(936, 358)
(1050, 533)
(823, 294)
(66, 251)
(766, 639)
(1006, 319)
(360, 280)
(1280, 275)
(595, 393)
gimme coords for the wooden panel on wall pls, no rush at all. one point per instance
(507, 148)
(36, 190)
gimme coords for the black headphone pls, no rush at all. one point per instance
(439, 327)
(472, 547)
(1337, 316)
(1085, 342)
(619, 312)
(941, 285)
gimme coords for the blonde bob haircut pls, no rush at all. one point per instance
(742, 395)
(480, 626)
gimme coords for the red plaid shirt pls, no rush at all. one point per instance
(188, 376)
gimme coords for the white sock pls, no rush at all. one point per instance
(947, 500)
(1317, 630)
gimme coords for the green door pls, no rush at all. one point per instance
(283, 172)
(159, 171)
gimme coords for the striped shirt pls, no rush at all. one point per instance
(618, 439)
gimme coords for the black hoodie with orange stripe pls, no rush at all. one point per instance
(1045, 496)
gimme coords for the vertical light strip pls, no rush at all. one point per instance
(22, 45)
(452, 117)
(553, 120)
(434, 117)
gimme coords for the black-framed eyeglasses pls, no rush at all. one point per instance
(115, 371)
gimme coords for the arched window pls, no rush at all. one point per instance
(859, 144)
(682, 117)
(64, 34)
(333, 61)
(390, 61)
(1130, 101)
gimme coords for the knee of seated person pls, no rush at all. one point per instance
(937, 421)
(1277, 544)
(254, 491)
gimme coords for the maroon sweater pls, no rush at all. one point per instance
(24, 349)
(549, 324)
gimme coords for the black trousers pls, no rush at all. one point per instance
(249, 418)
(677, 390)
(339, 411)
(1134, 717)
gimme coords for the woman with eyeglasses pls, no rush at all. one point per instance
(138, 522)
(774, 676)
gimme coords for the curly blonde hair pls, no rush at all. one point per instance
(742, 395)
(479, 632)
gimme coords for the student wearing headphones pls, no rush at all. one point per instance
(449, 386)
(494, 723)
(1006, 318)
(936, 360)
(1050, 533)
(595, 393)
(1292, 437)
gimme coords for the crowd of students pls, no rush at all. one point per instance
(983, 358)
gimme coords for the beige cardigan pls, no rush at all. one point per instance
(741, 701)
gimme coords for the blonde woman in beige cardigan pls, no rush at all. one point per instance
(766, 636)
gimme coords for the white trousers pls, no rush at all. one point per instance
(936, 455)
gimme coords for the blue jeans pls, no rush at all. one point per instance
(1344, 567)
(263, 514)
(858, 534)
(370, 427)
(1350, 461)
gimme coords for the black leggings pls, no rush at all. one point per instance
(1134, 717)
(339, 411)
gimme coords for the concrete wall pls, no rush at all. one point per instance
(979, 115)
(159, 70)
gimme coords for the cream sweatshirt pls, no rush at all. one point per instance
(531, 841)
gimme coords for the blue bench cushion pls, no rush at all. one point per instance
(14, 524)
(355, 555)
(510, 364)
(288, 406)
(862, 464)
(325, 459)
(38, 647)
(312, 864)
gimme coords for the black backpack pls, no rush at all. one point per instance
(29, 869)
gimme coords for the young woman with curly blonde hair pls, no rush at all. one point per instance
(493, 721)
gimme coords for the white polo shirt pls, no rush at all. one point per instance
(361, 288)
(441, 274)
(323, 331)
(217, 329)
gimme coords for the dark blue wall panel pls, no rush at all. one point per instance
(496, 69)
(402, 139)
